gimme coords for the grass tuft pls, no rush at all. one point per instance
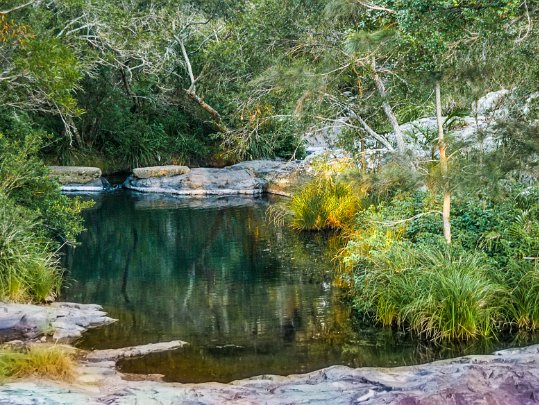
(438, 295)
(28, 269)
(49, 362)
(324, 204)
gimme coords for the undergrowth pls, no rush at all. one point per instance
(399, 269)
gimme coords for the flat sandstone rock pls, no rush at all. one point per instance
(75, 174)
(507, 377)
(201, 181)
(159, 171)
(65, 321)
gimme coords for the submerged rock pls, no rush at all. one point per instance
(78, 178)
(134, 351)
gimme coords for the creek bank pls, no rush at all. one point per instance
(63, 321)
(506, 377)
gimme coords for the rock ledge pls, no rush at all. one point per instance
(65, 321)
(246, 178)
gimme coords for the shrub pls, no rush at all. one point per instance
(25, 180)
(34, 218)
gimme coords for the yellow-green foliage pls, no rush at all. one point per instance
(45, 362)
(324, 203)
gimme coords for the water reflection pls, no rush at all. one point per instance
(250, 298)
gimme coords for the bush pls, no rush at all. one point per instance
(25, 180)
(403, 273)
(35, 218)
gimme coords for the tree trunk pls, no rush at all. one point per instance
(363, 157)
(191, 91)
(216, 118)
(399, 137)
(446, 211)
(129, 91)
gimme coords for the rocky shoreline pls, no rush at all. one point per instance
(505, 377)
(250, 178)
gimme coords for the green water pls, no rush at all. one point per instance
(249, 297)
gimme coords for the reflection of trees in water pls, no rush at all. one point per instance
(249, 296)
(209, 274)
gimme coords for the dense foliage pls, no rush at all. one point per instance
(122, 84)
(35, 218)
(146, 82)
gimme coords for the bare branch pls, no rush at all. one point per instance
(375, 7)
(402, 221)
(17, 7)
(529, 25)
(188, 65)
(397, 131)
(375, 135)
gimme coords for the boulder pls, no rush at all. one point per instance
(159, 171)
(492, 104)
(75, 174)
(201, 181)
(78, 178)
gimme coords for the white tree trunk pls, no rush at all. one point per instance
(446, 211)
(399, 137)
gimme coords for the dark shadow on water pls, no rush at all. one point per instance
(250, 298)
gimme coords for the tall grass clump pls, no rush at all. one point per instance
(324, 203)
(523, 280)
(28, 268)
(44, 362)
(435, 293)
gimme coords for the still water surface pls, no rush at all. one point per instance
(249, 297)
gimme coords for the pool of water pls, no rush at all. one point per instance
(248, 296)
